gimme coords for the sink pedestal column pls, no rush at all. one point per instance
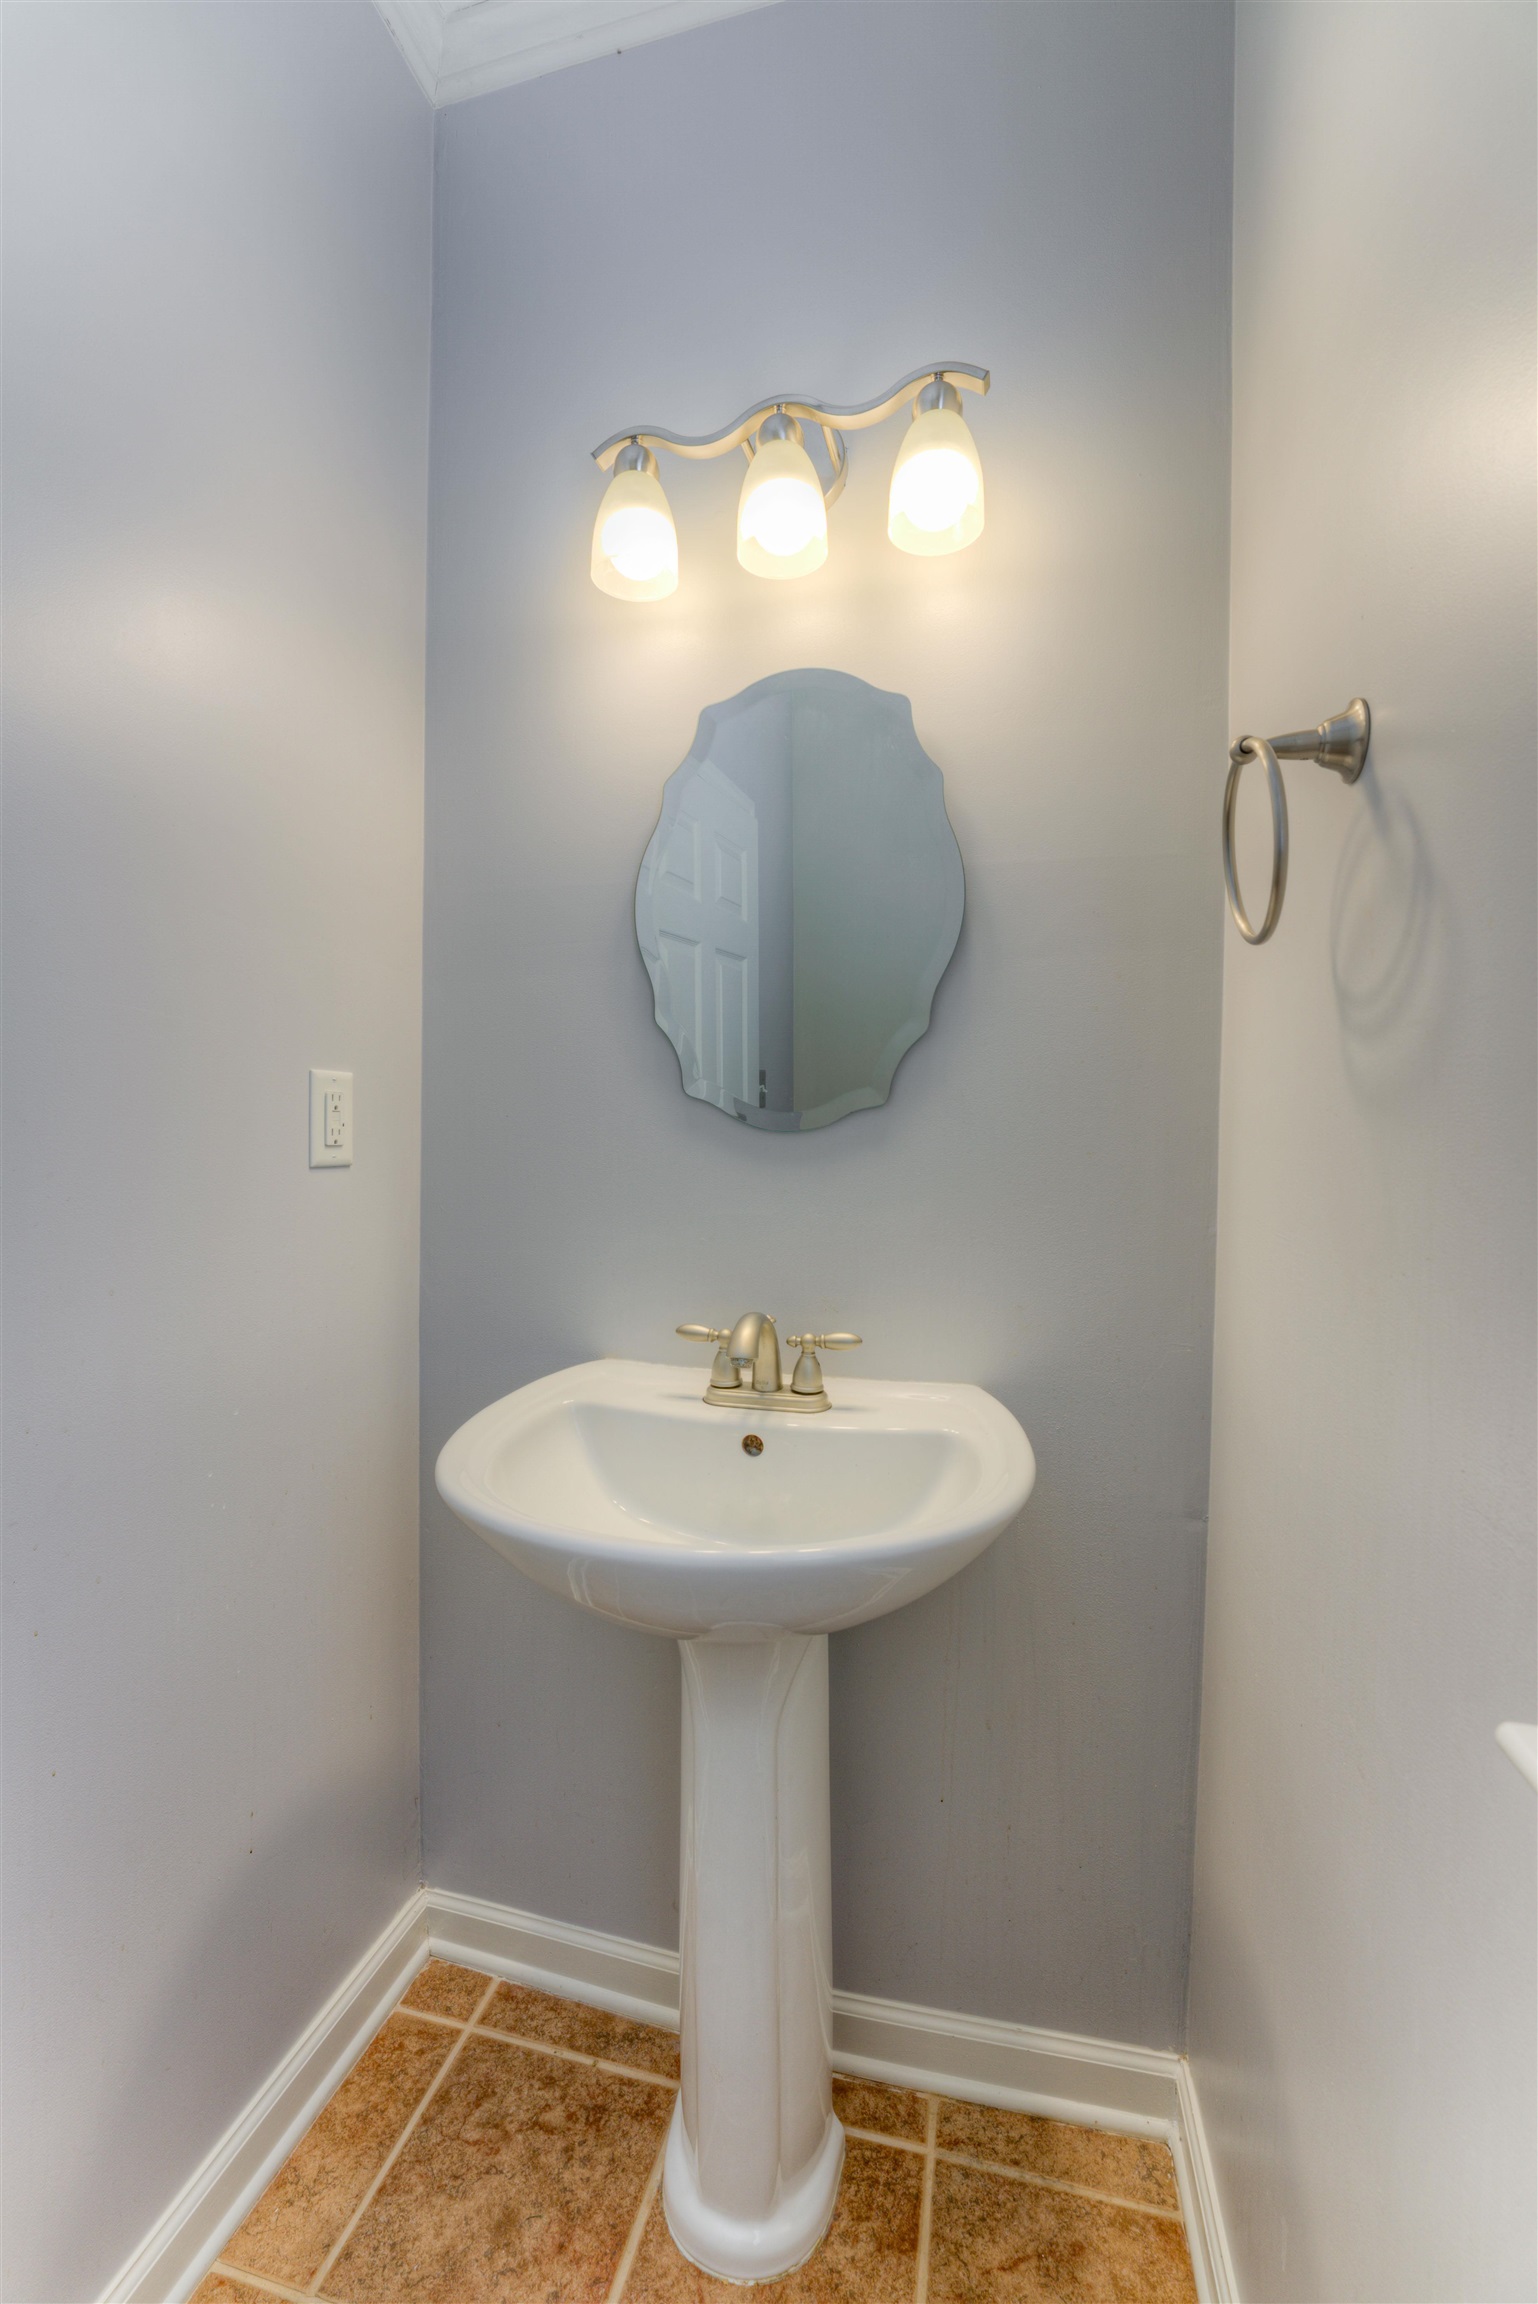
(754, 2152)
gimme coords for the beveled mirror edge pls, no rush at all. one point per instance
(914, 1027)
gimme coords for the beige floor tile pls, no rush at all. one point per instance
(518, 2187)
(1012, 2243)
(216, 2289)
(308, 2202)
(1132, 2167)
(444, 1990)
(868, 2257)
(888, 2111)
(571, 2024)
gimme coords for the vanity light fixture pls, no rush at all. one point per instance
(937, 482)
(635, 545)
(782, 514)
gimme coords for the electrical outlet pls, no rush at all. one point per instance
(330, 1119)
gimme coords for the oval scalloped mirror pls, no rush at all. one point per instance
(799, 900)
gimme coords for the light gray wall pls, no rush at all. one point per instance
(1362, 2020)
(818, 200)
(217, 293)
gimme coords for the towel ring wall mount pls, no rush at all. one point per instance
(1339, 743)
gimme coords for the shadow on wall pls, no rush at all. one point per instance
(192, 2005)
(1391, 947)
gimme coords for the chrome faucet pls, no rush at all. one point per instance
(746, 1372)
(754, 1343)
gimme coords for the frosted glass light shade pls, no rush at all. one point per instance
(635, 545)
(937, 486)
(782, 520)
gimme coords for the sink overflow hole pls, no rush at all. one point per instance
(752, 1445)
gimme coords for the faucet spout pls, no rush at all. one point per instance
(755, 1344)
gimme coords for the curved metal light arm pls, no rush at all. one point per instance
(838, 457)
(833, 420)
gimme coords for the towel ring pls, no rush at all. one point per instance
(1339, 743)
(1256, 747)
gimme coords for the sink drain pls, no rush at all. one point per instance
(752, 1445)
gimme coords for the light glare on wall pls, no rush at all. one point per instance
(935, 506)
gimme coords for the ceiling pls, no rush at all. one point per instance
(460, 48)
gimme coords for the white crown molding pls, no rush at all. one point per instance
(1094, 2083)
(462, 48)
(416, 27)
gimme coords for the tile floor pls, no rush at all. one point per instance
(495, 2146)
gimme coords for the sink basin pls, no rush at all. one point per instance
(617, 1486)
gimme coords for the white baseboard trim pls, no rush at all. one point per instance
(574, 1963)
(1216, 2281)
(216, 2201)
(1094, 2083)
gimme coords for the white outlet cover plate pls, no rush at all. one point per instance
(330, 1147)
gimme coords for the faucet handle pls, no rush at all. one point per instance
(808, 1376)
(723, 1373)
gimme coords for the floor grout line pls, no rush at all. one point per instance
(1057, 2184)
(634, 2236)
(396, 2149)
(1014, 2175)
(874, 2136)
(572, 2055)
(545, 2047)
(430, 2016)
(238, 2274)
(926, 2201)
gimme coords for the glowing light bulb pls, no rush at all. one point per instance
(784, 515)
(635, 545)
(640, 543)
(937, 482)
(782, 518)
(937, 487)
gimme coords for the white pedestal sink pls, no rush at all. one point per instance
(615, 1485)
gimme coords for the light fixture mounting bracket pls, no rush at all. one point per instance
(831, 419)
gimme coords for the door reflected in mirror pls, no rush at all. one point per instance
(799, 900)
